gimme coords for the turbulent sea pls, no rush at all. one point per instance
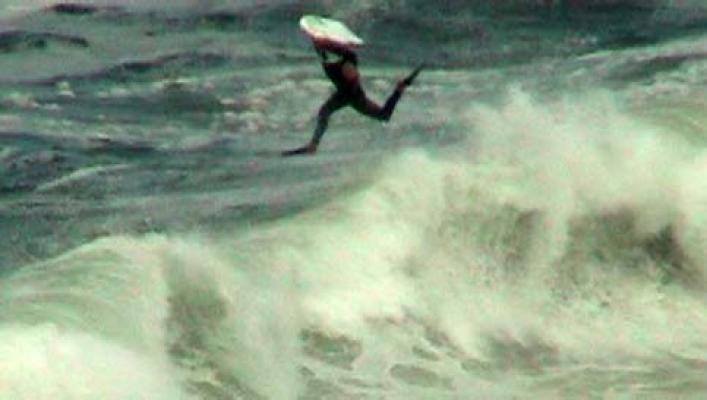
(531, 224)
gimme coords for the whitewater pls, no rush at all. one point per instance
(531, 224)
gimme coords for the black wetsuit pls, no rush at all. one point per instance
(349, 93)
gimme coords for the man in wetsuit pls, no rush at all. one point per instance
(344, 74)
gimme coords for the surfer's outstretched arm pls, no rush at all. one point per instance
(370, 108)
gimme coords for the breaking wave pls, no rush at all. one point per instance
(563, 239)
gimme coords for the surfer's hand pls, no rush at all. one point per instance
(310, 148)
(321, 53)
(408, 80)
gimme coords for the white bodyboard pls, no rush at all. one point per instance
(328, 30)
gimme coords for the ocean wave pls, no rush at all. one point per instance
(551, 246)
(146, 69)
(11, 41)
(81, 8)
(32, 161)
(73, 365)
(555, 248)
(456, 36)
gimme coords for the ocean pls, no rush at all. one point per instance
(531, 223)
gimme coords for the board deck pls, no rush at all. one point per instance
(329, 30)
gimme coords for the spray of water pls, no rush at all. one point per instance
(563, 236)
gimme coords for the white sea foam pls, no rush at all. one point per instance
(529, 247)
(45, 362)
(537, 239)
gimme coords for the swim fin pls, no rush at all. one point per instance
(408, 80)
(304, 150)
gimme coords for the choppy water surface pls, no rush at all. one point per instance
(531, 224)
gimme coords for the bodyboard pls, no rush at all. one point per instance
(328, 31)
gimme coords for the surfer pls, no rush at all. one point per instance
(343, 72)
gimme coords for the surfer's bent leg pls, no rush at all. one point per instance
(368, 107)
